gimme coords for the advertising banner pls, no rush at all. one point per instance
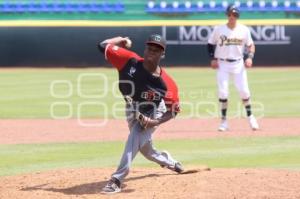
(276, 45)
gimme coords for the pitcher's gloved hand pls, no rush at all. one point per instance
(146, 122)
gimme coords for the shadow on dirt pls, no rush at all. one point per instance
(89, 188)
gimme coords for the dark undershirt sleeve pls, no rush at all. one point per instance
(211, 50)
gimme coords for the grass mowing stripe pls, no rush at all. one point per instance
(273, 152)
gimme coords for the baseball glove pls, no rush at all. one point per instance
(145, 122)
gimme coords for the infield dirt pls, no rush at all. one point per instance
(46, 130)
(155, 183)
(147, 183)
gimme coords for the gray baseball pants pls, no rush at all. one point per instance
(140, 139)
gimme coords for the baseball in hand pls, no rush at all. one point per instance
(128, 43)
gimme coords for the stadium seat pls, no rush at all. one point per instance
(119, 7)
(83, 7)
(34, 7)
(96, 7)
(7, 7)
(89, 8)
(219, 6)
(60, 6)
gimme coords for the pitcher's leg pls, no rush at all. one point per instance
(164, 159)
(130, 151)
(152, 154)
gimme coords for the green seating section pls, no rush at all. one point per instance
(133, 10)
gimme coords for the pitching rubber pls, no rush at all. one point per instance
(195, 170)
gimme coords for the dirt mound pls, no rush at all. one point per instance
(155, 183)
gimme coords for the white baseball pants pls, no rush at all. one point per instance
(238, 71)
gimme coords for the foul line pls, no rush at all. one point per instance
(91, 23)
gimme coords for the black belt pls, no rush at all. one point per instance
(229, 60)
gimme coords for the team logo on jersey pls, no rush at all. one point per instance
(151, 95)
(230, 41)
(132, 71)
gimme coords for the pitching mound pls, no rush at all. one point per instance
(155, 183)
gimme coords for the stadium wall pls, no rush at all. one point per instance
(75, 46)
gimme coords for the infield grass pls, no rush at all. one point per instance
(27, 93)
(254, 152)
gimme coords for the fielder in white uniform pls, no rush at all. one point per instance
(226, 47)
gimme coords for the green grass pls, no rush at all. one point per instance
(25, 93)
(257, 152)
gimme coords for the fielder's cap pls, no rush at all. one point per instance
(232, 9)
(157, 40)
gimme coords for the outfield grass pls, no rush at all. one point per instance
(259, 152)
(25, 93)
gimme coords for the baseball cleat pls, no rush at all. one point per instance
(253, 123)
(177, 166)
(113, 186)
(168, 156)
(223, 126)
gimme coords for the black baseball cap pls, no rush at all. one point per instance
(157, 40)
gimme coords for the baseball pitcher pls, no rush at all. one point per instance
(151, 98)
(226, 47)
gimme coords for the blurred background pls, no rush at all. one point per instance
(64, 33)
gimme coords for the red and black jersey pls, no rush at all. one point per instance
(140, 84)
